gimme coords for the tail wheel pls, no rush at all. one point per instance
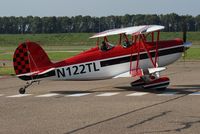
(22, 90)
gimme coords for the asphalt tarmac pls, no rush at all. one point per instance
(103, 107)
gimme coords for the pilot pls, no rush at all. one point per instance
(104, 46)
(126, 44)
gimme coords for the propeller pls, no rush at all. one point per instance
(185, 43)
(184, 36)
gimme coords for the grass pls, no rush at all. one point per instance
(193, 54)
(56, 56)
(7, 56)
(6, 71)
(76, 39)
(47, 39)
(193, 37)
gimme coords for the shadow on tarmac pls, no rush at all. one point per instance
(180, 89)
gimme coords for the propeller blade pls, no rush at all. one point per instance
(184, 36)
(184, 29)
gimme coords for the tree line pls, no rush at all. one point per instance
(33, 24)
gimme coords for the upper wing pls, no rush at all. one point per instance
(129, 30)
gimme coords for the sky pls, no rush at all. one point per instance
(97, 7)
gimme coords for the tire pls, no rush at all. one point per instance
(22, 90)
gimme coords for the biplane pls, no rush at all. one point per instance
(139, 53)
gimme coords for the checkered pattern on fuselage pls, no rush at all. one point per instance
(20, 60)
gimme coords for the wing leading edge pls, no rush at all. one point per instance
(130, 30)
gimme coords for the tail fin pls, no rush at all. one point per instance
(30, 57)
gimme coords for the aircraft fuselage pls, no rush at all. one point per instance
(96, 64)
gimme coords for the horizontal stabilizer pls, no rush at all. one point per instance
(126, 74)
(28, 74)
(37, 72)
(46, 71)
(154, 70)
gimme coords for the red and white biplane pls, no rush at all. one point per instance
(143, 56)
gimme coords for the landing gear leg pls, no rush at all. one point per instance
(22, 90)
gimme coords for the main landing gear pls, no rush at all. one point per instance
(22, 90)
(159, 84)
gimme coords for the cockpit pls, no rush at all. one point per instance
(124, 41)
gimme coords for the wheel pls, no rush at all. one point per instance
(22, 90)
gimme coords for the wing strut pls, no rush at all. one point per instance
(137, 71)
(153, 54)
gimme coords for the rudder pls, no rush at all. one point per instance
(30, 57)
